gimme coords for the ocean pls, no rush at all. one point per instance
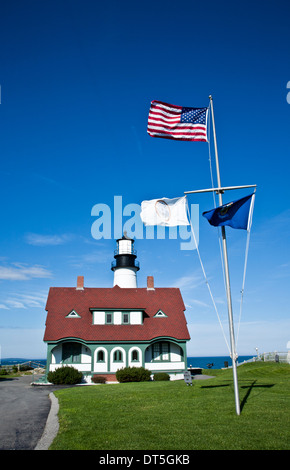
(10, 361)
(218, 362)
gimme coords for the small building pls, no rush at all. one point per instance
(101, 330)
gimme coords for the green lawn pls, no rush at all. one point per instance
(173, 416)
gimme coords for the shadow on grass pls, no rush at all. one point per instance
(215, 386)
(249, 389)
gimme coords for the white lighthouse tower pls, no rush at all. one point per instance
(125, 265)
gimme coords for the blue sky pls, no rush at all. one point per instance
(77, 78)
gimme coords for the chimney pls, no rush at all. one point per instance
(80, 283)
(150, 283)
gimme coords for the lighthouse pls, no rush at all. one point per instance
(125, 265)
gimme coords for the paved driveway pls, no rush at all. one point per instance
(23, 412)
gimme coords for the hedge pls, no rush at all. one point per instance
(133, 374)
(161, 376)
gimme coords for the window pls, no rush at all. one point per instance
(135, 355)
(73, 314)
(101, 356)
(118, 356)
(160, 352)
(160, 314)
(165, 351)
(125, 318)
(109, 318)
(156, 352)
(71, 353)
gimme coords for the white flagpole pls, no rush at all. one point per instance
(226, 264)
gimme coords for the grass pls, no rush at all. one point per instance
(13, 375)
(173, 416)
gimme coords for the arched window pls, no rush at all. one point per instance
(118, 356)
(101, 356)
(135, 355)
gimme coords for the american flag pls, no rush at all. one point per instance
(177, 122)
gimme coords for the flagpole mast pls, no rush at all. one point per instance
(227, 276)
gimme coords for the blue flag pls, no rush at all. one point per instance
(236, 214)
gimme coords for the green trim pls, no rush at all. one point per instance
(108, 346)
(90, 343)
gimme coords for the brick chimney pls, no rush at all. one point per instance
(80, 283)
(150, 283)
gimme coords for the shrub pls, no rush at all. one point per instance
(161, 376)
(99, 379)
(3, 371)
(133, 374)
(65, 375)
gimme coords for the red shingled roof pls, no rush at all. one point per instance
(62, 300)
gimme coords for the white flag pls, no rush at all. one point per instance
(164, 211)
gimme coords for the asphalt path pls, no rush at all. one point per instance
(24, 410)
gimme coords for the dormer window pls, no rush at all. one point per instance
(117, 317)
(73, 314)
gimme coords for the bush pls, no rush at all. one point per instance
(99, 379)
(161, 376)
(65, 375)
(133, 374)
(3, 371)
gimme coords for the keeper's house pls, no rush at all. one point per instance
(101, 330)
